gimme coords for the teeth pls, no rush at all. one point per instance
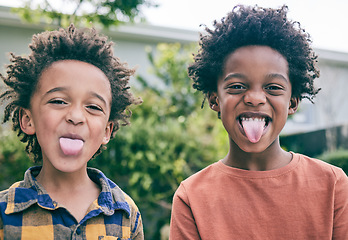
(253, 119)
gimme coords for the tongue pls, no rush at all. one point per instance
(70, 146)
(253, 129)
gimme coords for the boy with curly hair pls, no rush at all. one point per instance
(254, 68)
(67, 99)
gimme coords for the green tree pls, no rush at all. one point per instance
(83, 12)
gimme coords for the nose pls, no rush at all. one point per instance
(75, 115)
(254, 97)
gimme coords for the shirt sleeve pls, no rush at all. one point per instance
(138, 233)
(340, 229)
(182, 225)
(1, 229)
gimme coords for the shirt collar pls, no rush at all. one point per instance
(22, 195)
(111, 197)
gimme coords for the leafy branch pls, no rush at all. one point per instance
(83, 12)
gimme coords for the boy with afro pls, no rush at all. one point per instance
(254, 67)
(66, 100)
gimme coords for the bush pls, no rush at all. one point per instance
(14, 161)
(338, 158)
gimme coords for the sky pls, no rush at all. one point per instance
(325, 20)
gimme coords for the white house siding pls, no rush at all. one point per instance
(330, 107)
(332, 102)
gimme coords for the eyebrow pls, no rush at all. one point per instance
(241, 76)
(57, 89)
(98, 96)
(277, 75)
(62, 89)
(234, 75)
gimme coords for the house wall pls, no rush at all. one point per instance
(332, 103)
(330, 106)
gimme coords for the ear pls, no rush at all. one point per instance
(214, 101)
(26, 121)
(294, 102)
(108, 132)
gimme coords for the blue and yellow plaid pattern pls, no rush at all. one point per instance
(28, 212)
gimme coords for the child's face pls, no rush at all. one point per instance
(69, 114)
(254, 97)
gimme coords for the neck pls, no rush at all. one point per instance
(271, 158)
(53, 180)
(73, 191)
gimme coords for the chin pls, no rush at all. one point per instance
(67, 167)
(253, 147)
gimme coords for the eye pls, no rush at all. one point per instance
(274, 89)
(95, 108)
(57, 102)
(235, 88)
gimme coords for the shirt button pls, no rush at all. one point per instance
(78, 231)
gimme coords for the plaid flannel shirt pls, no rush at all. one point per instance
(28, 212)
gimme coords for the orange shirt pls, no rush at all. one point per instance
(307, 199)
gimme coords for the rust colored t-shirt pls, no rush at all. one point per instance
(307, 199)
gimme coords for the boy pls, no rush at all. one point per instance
(68, 98)
(254, 68)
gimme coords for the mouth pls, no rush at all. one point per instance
(254, 125)
(71, 144)
(264, 119)
(72, 136)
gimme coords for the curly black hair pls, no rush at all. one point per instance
(245, 26)
(48, 47)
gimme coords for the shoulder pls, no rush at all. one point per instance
(200, 181)
(26, 184)
(115, 198)
(121, 199)
(4, 194)
(206, 174)
(320, 167)
(109, 187)
(124, 201)
(7, 198)
(120, 196)
(321, 173)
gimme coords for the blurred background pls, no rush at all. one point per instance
(170, 136)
